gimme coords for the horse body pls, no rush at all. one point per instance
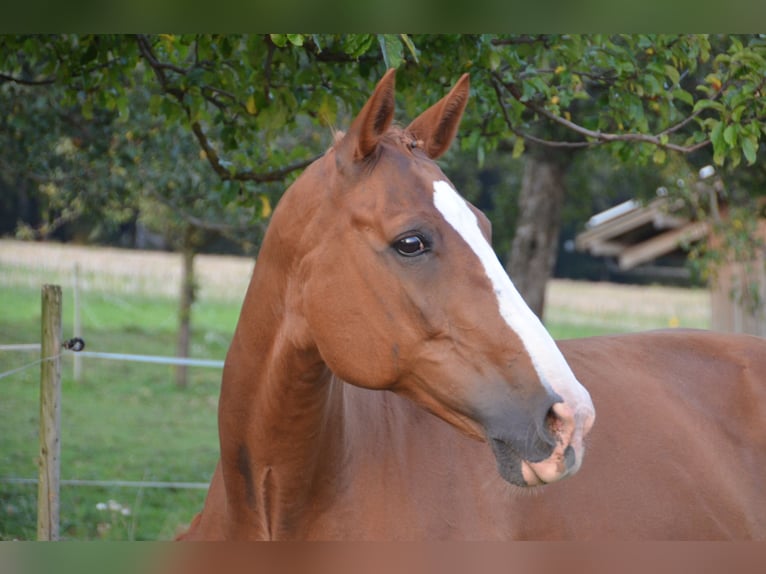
(678, 453)
(385, 381)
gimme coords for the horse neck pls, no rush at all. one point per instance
(281, 411)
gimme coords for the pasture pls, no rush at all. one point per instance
(128, 421)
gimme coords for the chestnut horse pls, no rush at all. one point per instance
(386, 380)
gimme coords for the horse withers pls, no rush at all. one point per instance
(386, 380)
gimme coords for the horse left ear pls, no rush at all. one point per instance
(437, 126)
(372, 122)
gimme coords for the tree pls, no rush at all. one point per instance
(229, 92)
(644, 95)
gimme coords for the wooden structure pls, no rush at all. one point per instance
(738, 297)
(634, 234)
(50, 416)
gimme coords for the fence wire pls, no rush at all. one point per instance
(116, 483)
(28, 365)
(155, 359)
(119, 357)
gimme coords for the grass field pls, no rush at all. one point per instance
(128, 421)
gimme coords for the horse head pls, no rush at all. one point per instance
(398, 289)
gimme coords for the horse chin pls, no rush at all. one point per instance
(531, 478)
(520, 472)
(510, 465)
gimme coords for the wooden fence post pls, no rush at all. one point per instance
(50, 415)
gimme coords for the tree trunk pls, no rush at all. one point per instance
(535, 245)
(185, 306)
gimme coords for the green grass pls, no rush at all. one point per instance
(124, 421)
(561, 330)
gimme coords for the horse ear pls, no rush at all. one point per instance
(372, 122)
(437, 126)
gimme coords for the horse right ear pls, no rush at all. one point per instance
(373, 121)
(436, 127)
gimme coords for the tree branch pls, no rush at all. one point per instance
(145, 47)
(611, 137)
(23, 82)
(199, 133)
(603, 137)
(226, 175)
(526, 136)
(682, 123)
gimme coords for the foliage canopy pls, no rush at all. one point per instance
(86, 112)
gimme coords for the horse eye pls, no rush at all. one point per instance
(411, 245)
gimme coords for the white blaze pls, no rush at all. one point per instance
(553, 370)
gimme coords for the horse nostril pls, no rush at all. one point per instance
(559, 422)
(552, 422)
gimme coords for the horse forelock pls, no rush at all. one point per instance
(337, 136)
(396, 135)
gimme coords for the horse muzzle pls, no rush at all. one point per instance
(546, 456)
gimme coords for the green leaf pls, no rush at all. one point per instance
(391, 47)
(296, 39)
(684, 96)
(750, 149)
(480, 156)
(672, 73)
(494, 60)
(736, 114)
(532, 87)
(518, 148)
(735, 157)
(730, 135)
(280, 40)
(719, 145)
(708, 104)
(410, 46)
(358, 44)
(659, 156)
(328, 109)
(716, 135)
(653, 85)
